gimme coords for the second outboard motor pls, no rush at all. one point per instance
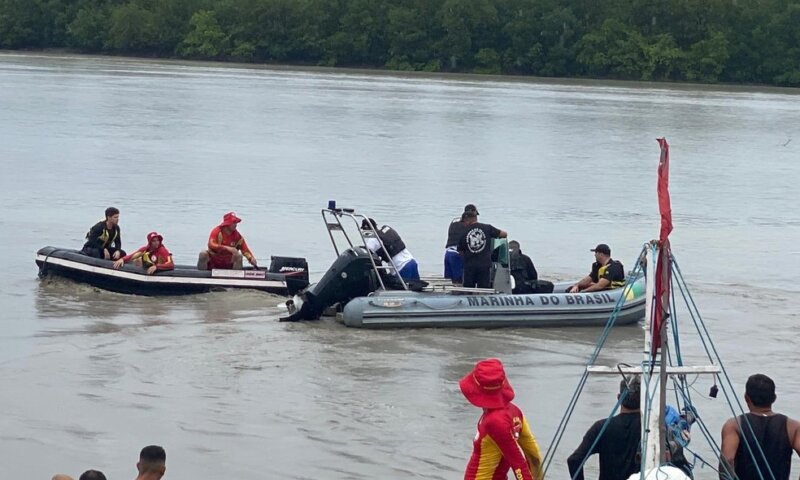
(295, 269)
(350, 276)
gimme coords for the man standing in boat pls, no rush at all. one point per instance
(476, 247)
(619, 446)
(453, 262)
(606, 273)
(226, 247)
(769, 437)
(395, 249)
(104, 239)
(152, 257)
(504, 440)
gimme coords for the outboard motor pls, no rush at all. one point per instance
(350, 276)
(295, 269)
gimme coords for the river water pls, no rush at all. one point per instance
(89, 377)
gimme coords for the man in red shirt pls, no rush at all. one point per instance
(224, 246)
(504, 440)
(154, 256)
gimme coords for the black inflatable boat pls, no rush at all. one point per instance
(285, 276)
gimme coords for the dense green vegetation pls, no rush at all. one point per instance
(751, 41)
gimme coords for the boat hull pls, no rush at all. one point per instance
(396, 309)
(183, 280)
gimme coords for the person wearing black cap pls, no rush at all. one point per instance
(606, 273)
(476, 247)
(453, 262)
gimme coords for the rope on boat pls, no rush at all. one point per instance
(43, 267)
(629, 281)
(680, 384)
(727, 385)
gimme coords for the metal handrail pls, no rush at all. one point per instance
(358, 219)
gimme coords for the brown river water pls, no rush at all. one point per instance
(89, 377)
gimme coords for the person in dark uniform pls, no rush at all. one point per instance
(104, 239)
(522, 269)
(606, 272)
(453, 263)
(476, 247)
(770, 436)
(619, 447)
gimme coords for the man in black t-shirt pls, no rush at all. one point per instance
(453, 262)
(619, 446)
(606, 273)
(476, 248)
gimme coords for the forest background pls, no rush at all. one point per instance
(733, 41)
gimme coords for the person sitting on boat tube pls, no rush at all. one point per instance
(394, 250)
(104, 239)
(226, 247)
(606, 273)
(504, 440)
(453, 262)
(154, 256)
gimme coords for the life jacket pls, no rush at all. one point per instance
(151, 258)
(614, 283)
(106, 237)
(391, 241)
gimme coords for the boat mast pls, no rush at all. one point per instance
(651, 430)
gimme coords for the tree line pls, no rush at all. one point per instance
(737, 41)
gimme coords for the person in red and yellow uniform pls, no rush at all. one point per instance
(154, 256)
(504, 440)
(224, 246)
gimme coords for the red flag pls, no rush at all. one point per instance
(664, 207)
(663, 271)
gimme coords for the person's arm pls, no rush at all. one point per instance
(794, 434)
(502, 234)
(583, 451)
(462, 244)
(501, 431)
(118, 238)
(128, 258)
(730, 443)
(530, 448)
(246, 252)
(582, 283)
(601, 284)
(168, 264)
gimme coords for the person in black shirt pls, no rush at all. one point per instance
(618, 448)
(476, 247)
(104, 239)
(606, 272)
(768, 436)
(453, 263)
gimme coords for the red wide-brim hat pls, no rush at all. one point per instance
(229, 218)
(486, 386)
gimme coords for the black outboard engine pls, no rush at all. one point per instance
(295, 269)
(350, 276)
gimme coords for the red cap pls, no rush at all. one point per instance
(152, 235)
(229, 218)
(486, 385)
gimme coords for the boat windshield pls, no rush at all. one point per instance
(500, 251)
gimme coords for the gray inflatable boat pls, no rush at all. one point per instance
(370, 294)
(403, 308)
